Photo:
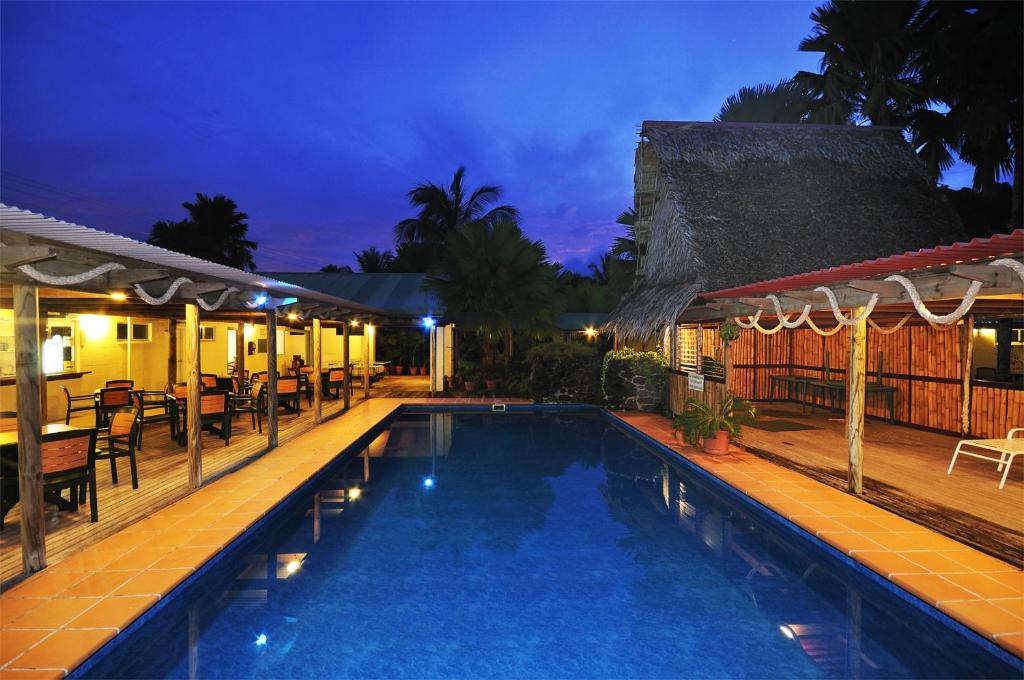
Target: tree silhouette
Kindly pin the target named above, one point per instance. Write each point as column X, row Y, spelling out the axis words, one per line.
column 215, row 230
column 371, row 260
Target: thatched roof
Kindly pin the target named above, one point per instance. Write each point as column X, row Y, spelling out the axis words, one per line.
column 725, row 204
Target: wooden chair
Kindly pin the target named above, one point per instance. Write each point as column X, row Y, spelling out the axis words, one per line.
column 75, row 403
column 110, row 400
column 69, row 463
column 215, row 413
column 259, row 376
column 253, row 403
column 130, row 384
column 209, row 381
column 288, row 395
column 335, row 382
column 119, row 442
column 154, row 407
column 8, row 421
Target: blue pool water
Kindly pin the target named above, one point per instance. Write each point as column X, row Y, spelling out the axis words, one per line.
column 550, row 545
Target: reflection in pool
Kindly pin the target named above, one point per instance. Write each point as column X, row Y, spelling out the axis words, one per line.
column 531, row 544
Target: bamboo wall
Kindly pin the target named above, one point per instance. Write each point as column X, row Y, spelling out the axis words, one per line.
column 922, row 363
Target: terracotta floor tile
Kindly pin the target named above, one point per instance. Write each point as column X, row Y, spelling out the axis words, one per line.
column 1014, row 579
column 99, row 584
column 931, row 588
column 114, row 612
column 848, row 541
column 235, row 520
column 983, row 617
column 886, row 562
column 191, row 558
column 903, row 541
column 45, row 584
column 154, row 582
column 862, row 524
column 167, row 539
column 14, row 642
column 13, row 607
column 1014, row 643
column 979, row 561
column 212, row 537
column 31, row 675
column 64, row 649
column 54, row 613
column 1014, row 605
column 816, row 523
column 935, row 562
column 89, row 560
column 137, row 559
column 982, row 586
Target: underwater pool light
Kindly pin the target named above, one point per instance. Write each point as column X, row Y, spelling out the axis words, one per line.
column 787, row 632
column 428, row 483
column 354, row 493
column 292, row 567
column 261, row 640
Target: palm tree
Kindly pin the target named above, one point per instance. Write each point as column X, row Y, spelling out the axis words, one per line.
column 371, row 260
column 625, row 247
column 866, row 70
column 336, row 269
column 215, row 230
column 495, row 280
column 783, row 102
column 443, row 209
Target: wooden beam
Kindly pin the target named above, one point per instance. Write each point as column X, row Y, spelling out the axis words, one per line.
column 883, row 288
column 240, row 348
column 271, row 378
column 15, row 256
column 194, row 398
column 992, row 277
column 347, row 389
column 366, row 360
column 192, row 290
column 856, row 378
column 120, row 278
column 966, row 359
column 318, row 394
column 28, row 379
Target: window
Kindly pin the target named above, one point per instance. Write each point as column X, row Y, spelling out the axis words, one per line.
column 141, row 332
column 686, row 348
column 206, row 333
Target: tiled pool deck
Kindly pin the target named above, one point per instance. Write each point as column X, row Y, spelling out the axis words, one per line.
column 56, row 619
column 981, row 592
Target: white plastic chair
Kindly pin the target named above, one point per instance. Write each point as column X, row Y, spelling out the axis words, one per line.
column 1006, row 448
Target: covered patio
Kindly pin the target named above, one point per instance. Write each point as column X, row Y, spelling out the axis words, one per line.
column 86, row 315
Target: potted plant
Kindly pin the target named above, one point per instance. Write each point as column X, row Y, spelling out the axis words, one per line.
column 399, row 369
column 715, row 425
column 467, row 374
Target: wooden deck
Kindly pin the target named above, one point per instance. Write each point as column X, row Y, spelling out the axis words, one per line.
column 905, row 472
column 163, row 476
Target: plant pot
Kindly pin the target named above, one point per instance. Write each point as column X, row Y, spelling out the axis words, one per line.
column 468, row 385
column 718, row 444
column 399, row 370
column 492, row 385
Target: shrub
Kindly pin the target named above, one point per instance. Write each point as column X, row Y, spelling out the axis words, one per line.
column 564, row 372
column 632, row 379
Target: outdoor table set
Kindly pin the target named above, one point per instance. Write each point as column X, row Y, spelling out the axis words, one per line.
column 832, row 393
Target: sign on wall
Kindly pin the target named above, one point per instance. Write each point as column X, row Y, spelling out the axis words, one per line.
column 695, row 381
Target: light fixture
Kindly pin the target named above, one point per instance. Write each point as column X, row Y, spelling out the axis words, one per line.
column 590, row 331
column 428, row 322
column 428, row 483
column 354, row 323
column 787, row 632
column 292, row 567
column 354, row 493
column 118, row 296
column 248, row 330
column 261, row 640
column 292, row 316
column 261, row 299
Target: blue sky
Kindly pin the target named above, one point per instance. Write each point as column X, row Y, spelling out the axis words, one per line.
column 317, row 118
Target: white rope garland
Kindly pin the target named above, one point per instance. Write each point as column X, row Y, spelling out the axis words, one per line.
column 171, row 290
column 71, row 279
column 784, row 319
column 834, row 303
column 946, row 319
column 216, row 305
column 753, row 321
column 1012, row 264
column 832, row 331
column 890, row 331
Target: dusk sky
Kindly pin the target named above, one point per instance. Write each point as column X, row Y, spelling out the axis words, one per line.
column 318, row 118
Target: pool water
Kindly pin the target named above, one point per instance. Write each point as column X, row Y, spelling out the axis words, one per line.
column 548, row 545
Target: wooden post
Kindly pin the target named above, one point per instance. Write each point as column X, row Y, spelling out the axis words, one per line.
column 366, row 360
column 855, row 404
column 28, row 377
column 318, row 395
column 240, row 350
column 966, row 359
column 347, row 389
column 194, row 398
column 44, row 416
column 172, row 352
column 271, row 378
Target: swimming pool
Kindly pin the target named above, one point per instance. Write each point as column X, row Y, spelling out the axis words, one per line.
column 532, row 543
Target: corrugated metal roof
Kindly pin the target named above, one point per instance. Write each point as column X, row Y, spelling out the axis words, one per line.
column 1000, row 245
column 397, row 293
column 56, row 232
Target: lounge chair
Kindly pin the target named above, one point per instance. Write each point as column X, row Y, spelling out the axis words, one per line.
column 1006, row 448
